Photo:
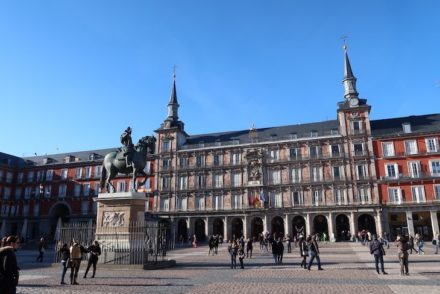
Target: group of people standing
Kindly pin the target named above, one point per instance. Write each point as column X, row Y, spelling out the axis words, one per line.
column 71, row 257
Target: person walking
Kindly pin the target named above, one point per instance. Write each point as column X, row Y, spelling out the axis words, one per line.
column 402, row 253
column 418, row 240
column 289, row 243
column 241, row 256
column 275, row 251
column 411, row 245
column 376, row 248
column 280, row 246
column 9, row 270
column 65, row 255
column 41, row 250
column 249, row 248
column 233, row 250
column 76, row 252
column 304, row 251
column 313, row 252
column 94, row 251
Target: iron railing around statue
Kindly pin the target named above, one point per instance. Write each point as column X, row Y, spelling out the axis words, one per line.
column 135, row 243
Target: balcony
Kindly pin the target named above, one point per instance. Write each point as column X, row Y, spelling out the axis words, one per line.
column 409, row 178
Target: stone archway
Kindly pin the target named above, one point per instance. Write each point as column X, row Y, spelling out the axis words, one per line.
column 277, row 226
column 218, row 227
column 367, row 222
column 320, row 225
column 236, row 228
column 257, row 227
column 298, row 226
column 342, row 228
column 182, row 231
column 199, row 230
column 59, row 211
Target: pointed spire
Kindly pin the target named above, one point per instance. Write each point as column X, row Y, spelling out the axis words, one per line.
column 349, row 78
column 173, row 96
column 173, row 105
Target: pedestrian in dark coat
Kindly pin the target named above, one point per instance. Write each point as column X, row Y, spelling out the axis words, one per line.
column 94, row 251
column 65, row 255
column 313, row 252
column 376, row 248
column 304, row 251
column 41, row 250
column 8, row 266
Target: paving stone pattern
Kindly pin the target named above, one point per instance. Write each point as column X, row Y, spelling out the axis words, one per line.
column 348, row 268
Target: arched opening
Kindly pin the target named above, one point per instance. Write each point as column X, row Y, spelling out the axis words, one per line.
column 182, row 231
column 398, row 225
column 320, row 225
column 199, row 230
column 236, row 228
column 422, row 224
column 277, row 227
column 342, row 228
column 367, row 222
column 59, row 214
column 218, row 227
column 298, row 226
column 256, row 227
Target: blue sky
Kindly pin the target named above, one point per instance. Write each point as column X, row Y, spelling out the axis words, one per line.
column 74, row 74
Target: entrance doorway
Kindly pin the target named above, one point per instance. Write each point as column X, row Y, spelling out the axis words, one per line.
column 367, row 222
column 320, row 225
column 236, row 228
column 342, row 228
column 256, row 227
column 277, row 227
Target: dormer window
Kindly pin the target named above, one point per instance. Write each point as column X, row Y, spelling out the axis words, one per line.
column 314, row 134
column 218, row 143
column 406, row 127
column 166, row 146
column 201, row 144
column 92, row 156
column 293, row 136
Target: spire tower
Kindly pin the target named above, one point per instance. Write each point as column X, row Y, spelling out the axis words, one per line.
column 349, row 80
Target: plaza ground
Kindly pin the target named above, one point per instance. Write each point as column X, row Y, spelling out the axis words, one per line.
column 348, row 268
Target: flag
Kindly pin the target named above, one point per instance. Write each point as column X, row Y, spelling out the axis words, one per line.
column 262, row 198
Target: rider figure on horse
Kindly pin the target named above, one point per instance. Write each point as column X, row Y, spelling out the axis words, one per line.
column 128, row 148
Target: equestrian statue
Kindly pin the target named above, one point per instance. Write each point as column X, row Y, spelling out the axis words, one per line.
column 126, row 160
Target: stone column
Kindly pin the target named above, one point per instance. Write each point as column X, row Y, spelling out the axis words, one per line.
column 410, row 223
column 245, row 226
column 265, row 223
column 308, row 225
column 287, row 226
column 353, row 230
column 379, row 222
column 225, row 229
column 207, row 228
column 434, row 222
column 331, row 234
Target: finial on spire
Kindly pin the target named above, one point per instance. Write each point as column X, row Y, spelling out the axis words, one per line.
column 174, row 72
column 344, row 38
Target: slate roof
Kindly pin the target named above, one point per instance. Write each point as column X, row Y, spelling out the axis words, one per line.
column 11, row 160
column 393, row 126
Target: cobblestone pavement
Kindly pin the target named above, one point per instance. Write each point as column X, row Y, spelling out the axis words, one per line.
column 348, row 268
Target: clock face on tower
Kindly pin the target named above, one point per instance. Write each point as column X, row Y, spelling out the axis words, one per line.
column 354, row 102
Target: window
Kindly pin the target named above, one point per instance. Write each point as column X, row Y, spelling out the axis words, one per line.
column 297, row 198
column 406, row 127
column 418, row 194
column 97, row 188
column 166, row 183
column 335, row 150
column 47, row 191
column 62, row 191
column 30, row 176
column 388, row 149
column 78, row 173
column 217, row 202
column 236, row 179
column 275, row 177
column 166, row 146
column 9, row 177
column 166, row 163
column 64, row 174
column 20, row 178
column 183, row 161
column 200, row 160
column 294, row 153
column 317, row 197
column 77, row 190
column 1, row 175
column 218, row 181
column 314, row 151
column 6, row 193
column 411, row 147
column 414, row 169
column 358, row 149
column 200, row 181
column 18, row 191
column 337, row 173
column 364, row 195
column 27, row 192
column 183, row 182
column 295, row 174
column 435, row 168
column 314, row 134
column 437, row 192
column 164, row 204
column 217, row 159
column 88, row 172
column 273, row 154
column 200, row 202
column 236, row 201
column 40, row 176
column 394, row 195
column 339, row 195
column 98, row 171
column 86, row 189
column 84, row 207
column 49, row 175
column 316, row 174
column 36, row 209
column 356, row 127
column 182, row 203
column 392, row 170
column 362, row 171
column 26, row 210
column 121, row 186
column 431, row 144
column 275, row 199
column 235, row 158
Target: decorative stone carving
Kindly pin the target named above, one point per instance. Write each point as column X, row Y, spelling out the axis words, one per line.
column 113, row 219
column 254, row 158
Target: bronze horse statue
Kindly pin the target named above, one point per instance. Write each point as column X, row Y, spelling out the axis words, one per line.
column 114, row 163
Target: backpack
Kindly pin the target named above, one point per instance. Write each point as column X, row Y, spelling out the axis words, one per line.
column 75, row 252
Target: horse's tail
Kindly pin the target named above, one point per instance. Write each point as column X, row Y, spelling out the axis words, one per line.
column 103, row 176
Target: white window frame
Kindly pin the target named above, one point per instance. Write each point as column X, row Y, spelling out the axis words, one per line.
column 418, row 194
column 30, row 176
column 235, row 158
column 217, row 202
column 317, row 197
column 274, row 155
column 218, row 180
column 411, row 147
column 436, row 189
column 275, row 199
column 236, row 179
column 275, row 176
column 200, row 202
column 431, row 145
column 182, row 203
column 236, row 201
column 78, row 173
column 339, row 196
column 395, row 168
column 98, row 171
column 316, row 174
column 86, row 189
column 64, row 173
column 121, row 186
column 295, row 174
column 394, row 195
column 183, row 182
column 77, row 190
column 435, row 172
column 364, row 195
column 414, row 169
column 388, row 149
column 164, row 204
column 62, row 191
column 88, row 172
column 47, row 191
column 299, row 196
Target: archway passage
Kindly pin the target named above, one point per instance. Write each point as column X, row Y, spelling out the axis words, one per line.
column 236, row 228
column 342, row 228
column 182, row 231
column 277, row 227
column 422, row 224
column 320, row 225
column 298, row 226
column 218, row 227
column 199, row 230
column 256, row 227
column 397, row 224
column 367, row 222
column 60, row 212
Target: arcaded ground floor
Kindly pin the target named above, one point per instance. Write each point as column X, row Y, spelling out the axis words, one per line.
column 348, row 268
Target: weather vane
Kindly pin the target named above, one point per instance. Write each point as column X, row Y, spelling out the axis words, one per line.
column 174, row 71
column 344, row 38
